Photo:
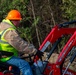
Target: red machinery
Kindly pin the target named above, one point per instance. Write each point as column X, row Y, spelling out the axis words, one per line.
column 54, row 37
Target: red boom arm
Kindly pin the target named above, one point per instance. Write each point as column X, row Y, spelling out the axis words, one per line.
column 54, row 34
column 69, row 45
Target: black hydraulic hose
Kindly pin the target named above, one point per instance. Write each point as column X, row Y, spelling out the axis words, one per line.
column 71, row 60
column 2, row 53
column 73, row 57
column 54, row 47
column 51, row 51
column 67, row 23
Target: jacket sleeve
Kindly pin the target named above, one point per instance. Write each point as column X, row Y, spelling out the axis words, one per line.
column 17, row 42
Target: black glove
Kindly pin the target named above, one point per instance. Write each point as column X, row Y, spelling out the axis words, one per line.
column 39, row 53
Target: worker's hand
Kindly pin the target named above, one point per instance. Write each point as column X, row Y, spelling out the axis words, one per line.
column 39, row 53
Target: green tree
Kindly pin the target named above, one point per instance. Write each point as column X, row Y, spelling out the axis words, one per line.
column 69, row 8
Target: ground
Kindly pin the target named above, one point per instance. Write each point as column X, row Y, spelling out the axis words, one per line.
column 54, row 57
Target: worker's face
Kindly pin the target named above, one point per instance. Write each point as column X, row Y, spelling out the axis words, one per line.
column 16, row 23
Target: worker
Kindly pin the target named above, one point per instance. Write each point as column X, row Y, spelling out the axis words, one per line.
column 11, row 41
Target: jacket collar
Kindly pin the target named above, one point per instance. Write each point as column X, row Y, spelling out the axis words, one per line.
column 9, row 22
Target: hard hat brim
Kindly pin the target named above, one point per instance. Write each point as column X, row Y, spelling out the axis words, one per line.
column 14, row 18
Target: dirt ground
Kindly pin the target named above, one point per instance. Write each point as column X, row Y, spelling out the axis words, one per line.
column 54, row 57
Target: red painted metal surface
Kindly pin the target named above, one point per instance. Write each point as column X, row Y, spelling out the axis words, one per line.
column 1, row 73
column 71, row 43
column 54, row 69
column 56, row 33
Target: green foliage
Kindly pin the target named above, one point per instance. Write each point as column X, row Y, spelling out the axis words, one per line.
column 7, row 5
column 36, row 21
column 69, row 7
column 25, row 33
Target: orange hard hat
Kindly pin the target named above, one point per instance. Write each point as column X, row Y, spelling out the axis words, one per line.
column 14, row 15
